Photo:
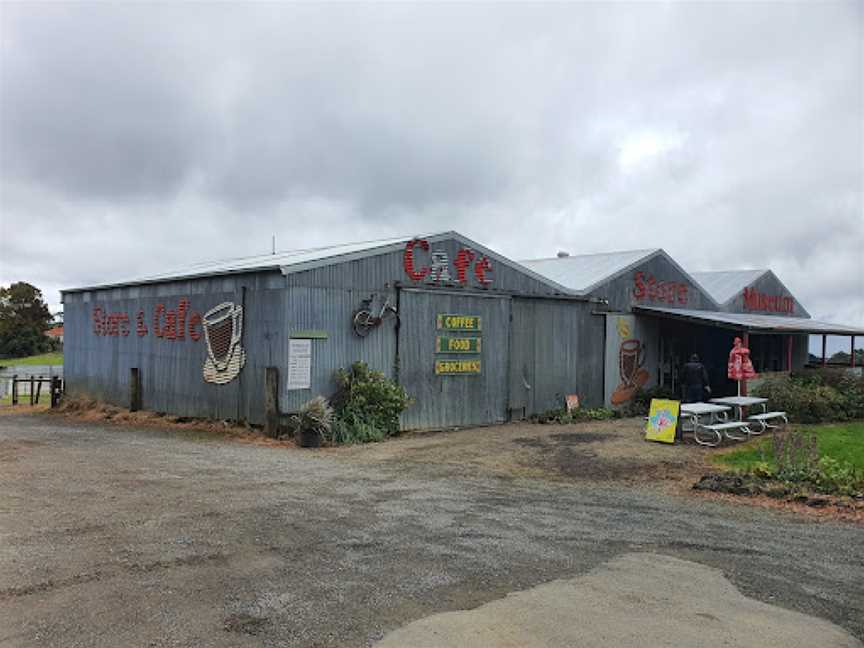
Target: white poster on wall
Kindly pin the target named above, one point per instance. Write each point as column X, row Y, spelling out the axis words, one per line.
column 299, row 364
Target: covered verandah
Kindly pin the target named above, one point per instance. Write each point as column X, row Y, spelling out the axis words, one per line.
column 777, row 344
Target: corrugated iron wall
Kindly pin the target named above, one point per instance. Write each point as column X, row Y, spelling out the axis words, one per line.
column 566, row 349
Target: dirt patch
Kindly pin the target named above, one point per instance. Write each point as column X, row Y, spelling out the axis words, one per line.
column 245, row 624
column 12, row 450
column 600, row 451
column 90, row 411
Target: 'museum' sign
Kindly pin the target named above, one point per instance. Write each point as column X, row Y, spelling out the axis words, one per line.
column 757, row 301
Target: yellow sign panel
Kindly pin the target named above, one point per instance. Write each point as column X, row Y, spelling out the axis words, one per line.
column 459, row 322
column 662, row 420
column 457, row 367
column 457, row 344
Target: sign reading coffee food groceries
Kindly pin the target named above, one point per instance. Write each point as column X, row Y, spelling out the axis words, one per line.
column 464, row 344
column 221, row 327
column 434, row 266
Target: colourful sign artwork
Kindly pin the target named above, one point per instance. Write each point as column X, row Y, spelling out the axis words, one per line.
column 631, row 357
column 457, row 367
column 662, row 420
column 757, row 301
column 451, row 322
column 438, row 270
column 457, row 344
column 648, row 288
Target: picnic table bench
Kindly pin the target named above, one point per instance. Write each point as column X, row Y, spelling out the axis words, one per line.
column 764, row 418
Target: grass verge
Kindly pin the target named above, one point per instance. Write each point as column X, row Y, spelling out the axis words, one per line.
column 840, row 441
column 55, row 358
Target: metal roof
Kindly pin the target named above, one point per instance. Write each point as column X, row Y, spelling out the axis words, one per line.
column 746, row 321
column 724, row 285
column 583, row 272
column 305, row 259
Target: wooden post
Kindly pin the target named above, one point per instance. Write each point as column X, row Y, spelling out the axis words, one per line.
column 271, row 402
column 134, row 389
column 31, row 390
column 824, row 350
column 15, row 389
column 38, row 389
column 789, row 353
column 55, row 391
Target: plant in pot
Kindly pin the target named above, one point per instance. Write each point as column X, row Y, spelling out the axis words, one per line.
column 312, row 422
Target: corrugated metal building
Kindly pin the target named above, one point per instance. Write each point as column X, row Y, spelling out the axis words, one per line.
column 478, row 338
column 515, row 342
column 658, row 315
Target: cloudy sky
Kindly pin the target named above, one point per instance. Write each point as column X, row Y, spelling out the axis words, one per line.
column 136, row 139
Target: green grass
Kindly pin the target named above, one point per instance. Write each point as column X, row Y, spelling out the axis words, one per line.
column 841, row 441
column 54, row 358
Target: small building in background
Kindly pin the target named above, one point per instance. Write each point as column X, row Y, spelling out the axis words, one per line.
column 56, row 333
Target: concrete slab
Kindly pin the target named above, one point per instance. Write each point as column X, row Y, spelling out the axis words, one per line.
column 635, row 600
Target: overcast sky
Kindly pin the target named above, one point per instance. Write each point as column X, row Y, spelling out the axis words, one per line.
column 137, row 139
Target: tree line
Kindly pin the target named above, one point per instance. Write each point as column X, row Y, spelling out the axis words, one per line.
column 24, row 318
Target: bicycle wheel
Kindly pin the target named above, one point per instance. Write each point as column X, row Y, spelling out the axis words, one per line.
column 362, row 323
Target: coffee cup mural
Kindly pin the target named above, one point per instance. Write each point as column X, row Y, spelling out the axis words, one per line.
column 631, row 373
column 223, row 330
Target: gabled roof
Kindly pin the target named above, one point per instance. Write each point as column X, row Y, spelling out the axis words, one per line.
column 584, row 272
column 725, row 285
column 292, row 261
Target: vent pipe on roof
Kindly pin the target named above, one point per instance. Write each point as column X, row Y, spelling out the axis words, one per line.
column 562, row 254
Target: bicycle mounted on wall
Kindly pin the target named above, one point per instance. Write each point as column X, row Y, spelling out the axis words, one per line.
column 365, row 319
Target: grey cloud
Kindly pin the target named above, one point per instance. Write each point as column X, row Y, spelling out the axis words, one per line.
column 135, row 137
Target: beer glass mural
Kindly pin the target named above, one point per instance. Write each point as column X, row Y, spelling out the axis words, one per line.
column 223, row 330
column 631, row 358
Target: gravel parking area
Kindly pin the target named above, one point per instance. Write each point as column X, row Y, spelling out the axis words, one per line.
column 118, row 536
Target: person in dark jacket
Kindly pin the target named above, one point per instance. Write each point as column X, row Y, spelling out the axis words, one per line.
column 695, row 380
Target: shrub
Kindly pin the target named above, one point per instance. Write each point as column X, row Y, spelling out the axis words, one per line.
column 809, row 398
column 312, row 421
column 562, row 417
column 367, row 405
column 796, row 455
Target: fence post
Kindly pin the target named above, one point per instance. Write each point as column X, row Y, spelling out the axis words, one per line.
column 271, row 402
column 134, row 389
column 31, row 390
column 15, row 389
column 55, row 391
column 38, row 389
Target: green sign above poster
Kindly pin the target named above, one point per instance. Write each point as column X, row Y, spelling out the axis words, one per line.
column 457, row 344
column 450, row 322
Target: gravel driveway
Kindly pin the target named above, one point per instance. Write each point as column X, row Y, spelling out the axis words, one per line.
column 113, row 536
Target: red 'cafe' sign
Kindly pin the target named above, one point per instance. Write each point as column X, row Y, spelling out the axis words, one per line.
column 421, row 263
